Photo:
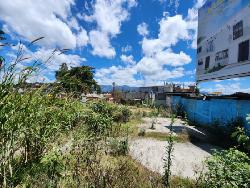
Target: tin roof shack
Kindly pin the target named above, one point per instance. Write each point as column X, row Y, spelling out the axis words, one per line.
column 211, row 110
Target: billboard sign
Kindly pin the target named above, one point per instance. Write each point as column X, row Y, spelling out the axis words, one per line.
column 223, row 40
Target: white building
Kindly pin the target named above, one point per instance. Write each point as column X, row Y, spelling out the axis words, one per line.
column 225, row 53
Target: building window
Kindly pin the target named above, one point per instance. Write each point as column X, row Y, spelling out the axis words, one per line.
column 200, row 62
column 221, row 55
column 210, row 46
column 199, row 50
column 243, row 54
column 207, row 62
column 238, row 30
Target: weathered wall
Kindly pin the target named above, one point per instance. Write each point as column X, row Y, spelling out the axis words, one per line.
column 206, row 112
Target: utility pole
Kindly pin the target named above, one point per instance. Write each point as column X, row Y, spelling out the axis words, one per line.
column 113, row 89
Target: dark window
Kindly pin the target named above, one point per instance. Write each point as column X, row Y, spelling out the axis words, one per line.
column 199, row 50
column 238, row 30
column 200, row 62
column 243, row 51
column 210, row 46
column 207, row 62
column 221, row 55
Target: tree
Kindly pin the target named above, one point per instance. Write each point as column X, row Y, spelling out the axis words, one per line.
column 117, row 95
column 77, row 79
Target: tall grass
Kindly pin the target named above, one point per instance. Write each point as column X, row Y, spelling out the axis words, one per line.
column 29, row 120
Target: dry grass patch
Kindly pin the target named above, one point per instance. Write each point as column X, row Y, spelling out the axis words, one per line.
column 183, row 137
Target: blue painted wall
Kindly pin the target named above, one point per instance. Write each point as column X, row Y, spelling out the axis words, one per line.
column 206, row 112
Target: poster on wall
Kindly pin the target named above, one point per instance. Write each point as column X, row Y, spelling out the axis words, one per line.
column 223, row 40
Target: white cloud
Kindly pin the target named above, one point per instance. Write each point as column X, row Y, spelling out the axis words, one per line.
column 167, row 57
column 227, row 88
column 147, row 71
column 158, row 53
column 192, row 21
column 126, row 48
column 132, row 3
column 128, row 59
column 41, row 18
column 108, row 16
column 73, row 23
column 171, row 3
column 101, row 44
column 48, row 61
column 82, row 38
column 42, row 76
column 142, row 29
column 159, row 63
column 172, row 30
column 57, row 59
column 54, row 21
column 131, row 75
column 119, row 75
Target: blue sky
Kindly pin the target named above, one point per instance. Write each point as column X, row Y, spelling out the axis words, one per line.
column 130, row 42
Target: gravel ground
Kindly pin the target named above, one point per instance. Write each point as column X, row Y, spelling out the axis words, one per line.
column 162, row 125
column 187, row 158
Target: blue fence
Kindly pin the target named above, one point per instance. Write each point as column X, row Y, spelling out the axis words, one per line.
column 208, row 111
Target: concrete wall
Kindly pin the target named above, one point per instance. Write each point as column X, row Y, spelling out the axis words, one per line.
column 206, row 112
column 133, row 95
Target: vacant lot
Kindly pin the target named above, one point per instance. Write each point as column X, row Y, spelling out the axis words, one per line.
column 150, row 149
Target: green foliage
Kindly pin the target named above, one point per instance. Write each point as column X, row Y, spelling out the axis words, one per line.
column 103, row 108
column 119, row 114
column 241, row 137
column 154, row 112
column 122, row 114
column 98, row 124
column 29, row 122
column 77, row 79
column 168, row 160
column 229, row 168
column 118, row 146
column 182, row 182
column 180, row 111
column 142, row 132
column 117, row 94
column 166, row 136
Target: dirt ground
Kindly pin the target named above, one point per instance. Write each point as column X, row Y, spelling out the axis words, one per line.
column 187, row 157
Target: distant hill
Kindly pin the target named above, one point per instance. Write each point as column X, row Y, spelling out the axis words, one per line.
column 109, row 88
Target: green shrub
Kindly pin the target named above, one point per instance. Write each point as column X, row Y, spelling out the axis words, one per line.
column 154, row 112
column 229, row 168
column 242, row 139
column 30, row 121
column 119, row 114
column 103, row 108
column 126, row 113
column 117, row 146
column 144, row 114
column 141, row 132
column 98, row 124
